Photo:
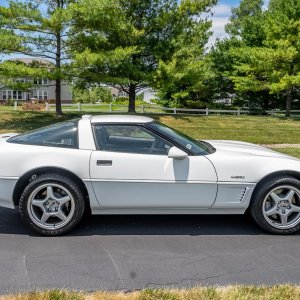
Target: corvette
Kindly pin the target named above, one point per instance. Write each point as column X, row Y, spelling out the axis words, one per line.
column 114, row 164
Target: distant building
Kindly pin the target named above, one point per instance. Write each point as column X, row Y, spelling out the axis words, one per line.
column 42, row 88
column 146, row 94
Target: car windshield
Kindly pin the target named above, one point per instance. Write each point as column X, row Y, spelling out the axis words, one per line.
column 64, row 135
column 186, row 142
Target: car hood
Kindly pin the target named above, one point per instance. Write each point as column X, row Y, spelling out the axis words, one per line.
column 245, row 148
column 245, row 162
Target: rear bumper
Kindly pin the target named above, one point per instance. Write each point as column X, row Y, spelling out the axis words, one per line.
column 7, row 186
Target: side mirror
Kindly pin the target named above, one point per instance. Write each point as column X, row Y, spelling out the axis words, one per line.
column 176, row 153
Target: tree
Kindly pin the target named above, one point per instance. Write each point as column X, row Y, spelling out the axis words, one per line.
column 222, row 62
column 124, row 42
column 92, row 95
column 275, row 65
column 36, row 29
column 185, row 82
column 246, row 28
column 246, row 22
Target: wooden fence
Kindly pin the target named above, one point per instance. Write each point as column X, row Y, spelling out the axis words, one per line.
column 148, row 109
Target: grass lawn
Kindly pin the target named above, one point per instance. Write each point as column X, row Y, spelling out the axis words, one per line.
column 259, row 130
column 253, row 129
column 280, row 292
column 289, row 151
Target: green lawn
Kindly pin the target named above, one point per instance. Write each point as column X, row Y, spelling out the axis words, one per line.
column 259, row 130
column 289, row 151
column 24, row 121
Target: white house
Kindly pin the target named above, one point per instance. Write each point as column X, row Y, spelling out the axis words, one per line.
column 42, row 88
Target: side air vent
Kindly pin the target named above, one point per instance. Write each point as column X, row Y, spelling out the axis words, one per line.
column 245, row 190
column 230, row 195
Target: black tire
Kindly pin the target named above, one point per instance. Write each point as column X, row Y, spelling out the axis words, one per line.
column 61, row 183
column 257, row 203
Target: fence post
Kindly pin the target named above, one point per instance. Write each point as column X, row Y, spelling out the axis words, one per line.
column 175, row 110
column 206, row 111
column 238, row 112
column 15, row 105
column 143, row 109
column 79, row 106
column 110, row 107
column 47, row 106
column 272, row 112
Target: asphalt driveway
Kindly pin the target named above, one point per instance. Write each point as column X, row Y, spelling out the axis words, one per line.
column 132, row 252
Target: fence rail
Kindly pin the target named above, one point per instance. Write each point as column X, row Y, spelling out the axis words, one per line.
column 109, row 107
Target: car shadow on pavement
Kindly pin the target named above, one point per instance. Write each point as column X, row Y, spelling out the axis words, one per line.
column 192, row 225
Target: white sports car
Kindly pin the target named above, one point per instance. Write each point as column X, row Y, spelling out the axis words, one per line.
column 134, row 165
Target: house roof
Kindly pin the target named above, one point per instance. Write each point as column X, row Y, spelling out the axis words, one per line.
column 28, row 60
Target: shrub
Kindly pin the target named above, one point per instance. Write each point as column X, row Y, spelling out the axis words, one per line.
column 33, row 106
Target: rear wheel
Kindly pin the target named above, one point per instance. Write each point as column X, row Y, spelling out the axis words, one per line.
column 52, row 204
column 276, row 205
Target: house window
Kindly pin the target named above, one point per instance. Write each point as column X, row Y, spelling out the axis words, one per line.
column 21, row 80
column 40, row 81
column 122, row 94
column 37, row 81
column 14, row 95
column 40, row 95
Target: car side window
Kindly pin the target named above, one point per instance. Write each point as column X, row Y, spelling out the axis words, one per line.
column 63, row 135
column 129, row 139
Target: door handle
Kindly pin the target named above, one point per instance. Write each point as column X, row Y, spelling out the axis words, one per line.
column 104, row 163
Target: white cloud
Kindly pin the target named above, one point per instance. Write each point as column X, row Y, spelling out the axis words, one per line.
column 266, row 3
column 219, row 17
column 221, row 10
column 218, row 28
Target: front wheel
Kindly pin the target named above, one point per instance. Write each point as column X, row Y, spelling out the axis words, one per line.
column 276, row 205
column 52, row 204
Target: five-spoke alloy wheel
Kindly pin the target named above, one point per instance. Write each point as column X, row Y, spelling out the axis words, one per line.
column 276, row 205
column 52, row 204
column 281, row 207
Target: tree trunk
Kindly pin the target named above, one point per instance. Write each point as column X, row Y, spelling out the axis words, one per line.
column 58, row 97
column 289, row 99
column 58, row 74
column 132, row 96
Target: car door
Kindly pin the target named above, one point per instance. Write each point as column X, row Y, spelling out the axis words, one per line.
column 131, row 169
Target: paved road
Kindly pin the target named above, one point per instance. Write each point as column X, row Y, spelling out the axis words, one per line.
column 132, row 252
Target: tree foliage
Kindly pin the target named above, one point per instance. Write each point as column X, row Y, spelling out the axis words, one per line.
column 36, row 29
column 246, row 22
column 267, row 60
column 148, row 35
column 158, row 43
column 92, row 95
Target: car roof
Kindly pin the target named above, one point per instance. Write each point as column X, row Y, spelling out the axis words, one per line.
column 119, row 119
